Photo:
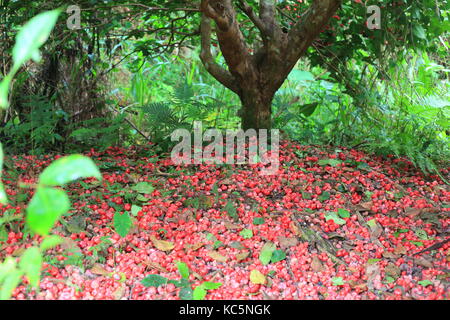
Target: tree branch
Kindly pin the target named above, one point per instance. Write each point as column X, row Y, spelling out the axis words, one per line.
column 221, row 75
column 305, row 31
column 253, row 17
column 267, row 11
column 231, row 40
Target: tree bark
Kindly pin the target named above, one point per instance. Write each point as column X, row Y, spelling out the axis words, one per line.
column 256, row 77
column 256, row 110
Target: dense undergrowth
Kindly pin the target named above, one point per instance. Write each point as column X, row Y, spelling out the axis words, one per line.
column 403, row 116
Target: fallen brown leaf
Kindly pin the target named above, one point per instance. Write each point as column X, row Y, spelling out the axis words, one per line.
column 119, row 293
column 400, row 249
column 295, row 229
column 154, row 265
column 423, row 262
column 392, row 270
column 316, row 265
column 232, row 226
column 194, row 246
column 98, row 269
column 372, row 273
column 162, row 245
column 217, row 256
column 242, row 255
column 287, row 242
column 389, row 255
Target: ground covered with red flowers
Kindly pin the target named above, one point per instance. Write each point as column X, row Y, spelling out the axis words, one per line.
column 332, row 224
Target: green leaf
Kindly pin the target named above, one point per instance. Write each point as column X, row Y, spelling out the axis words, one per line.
column 31, row 264
column 343, row 213
column 3, row 198
column 299, row 75
column 141, row 198
column 421, row 234
column 10, row 282
column 363, row 165
column 324, row 196
column 122, row 223
column 278, row 255
column 308, row 109
column 333, row 216
column 397, row 233
column 266, row 252
column 330, row 162
column 183, row 283
column 372, row 261
column 199, row 293
column 217, row 244
column 153, row 280
column 68, row 169
column 246, row 233
column 45, row 208
column 337, row 281
column 419, row 31
column 1, row 158
column 306, row 195
column 183, row 269
column 4, row 90
column 425, row 283
column 258, row 221
column 372, row 223
column 231, row 211
column 50, row 242
column 186, row 294
column 143, row 187
column 135, row 210
column 32, row 36
column 208, row 285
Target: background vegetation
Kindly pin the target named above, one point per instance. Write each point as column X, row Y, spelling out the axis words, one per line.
column 132, row 74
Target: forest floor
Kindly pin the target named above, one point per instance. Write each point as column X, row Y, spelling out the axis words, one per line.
column 332, row 224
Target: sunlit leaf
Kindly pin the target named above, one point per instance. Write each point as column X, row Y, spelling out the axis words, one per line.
column 32, row 36
column 122, row 223
column 183, row 269
column 68, row 169
column 44, row 209
column 31, row 264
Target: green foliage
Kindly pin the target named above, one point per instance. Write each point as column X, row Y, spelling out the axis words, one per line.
column 100, row 133
column 186, row 291
column 28, row 41
column 246, row 233
column 154, row 280
column 122, row 223
column 143, row 187
column 45, row 208
column 48, row 203
column 36, row 130
column 3, row 198
column 278, row 255
column 183, row 270
column 68, row 169
column 265, row 256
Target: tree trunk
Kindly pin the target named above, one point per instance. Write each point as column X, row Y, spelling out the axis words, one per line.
column 256, row 77
column 256, row 110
